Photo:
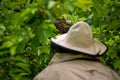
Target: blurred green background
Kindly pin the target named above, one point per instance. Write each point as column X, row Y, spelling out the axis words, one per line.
column 27, row 25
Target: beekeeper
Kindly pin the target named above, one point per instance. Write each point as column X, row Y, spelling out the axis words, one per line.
column 76, row 57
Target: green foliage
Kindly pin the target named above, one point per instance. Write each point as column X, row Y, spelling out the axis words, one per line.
column 27, row 25
column 25, row 30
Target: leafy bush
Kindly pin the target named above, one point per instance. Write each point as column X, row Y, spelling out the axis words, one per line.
column 27, row 25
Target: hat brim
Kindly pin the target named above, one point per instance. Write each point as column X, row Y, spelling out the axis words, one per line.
column 97, row 48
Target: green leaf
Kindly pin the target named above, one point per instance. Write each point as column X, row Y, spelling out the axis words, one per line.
column 13, row 50
column 2, row 60
column 44, row 49
column 23, row 74
column 84, row 4
column 20, row 46
column 49, row 15
column 117, row 64
column 24, row 66
column 30, row 32
column 35, row 42
column 2, row 29
column 69, row 5
column 51, row 4
column 41, row 33
column 83, row 19
column 18, row 20
column 7, row 44
column 110, row 42
column 11, row 40
column 21, row 59
column 99, row 8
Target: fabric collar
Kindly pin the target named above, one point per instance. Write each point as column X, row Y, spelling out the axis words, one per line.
column 61, row 57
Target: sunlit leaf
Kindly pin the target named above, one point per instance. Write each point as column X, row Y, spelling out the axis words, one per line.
column 2, row 29
column 51, row 4
column 84, row 4
column 7, row 44
column 13, row 50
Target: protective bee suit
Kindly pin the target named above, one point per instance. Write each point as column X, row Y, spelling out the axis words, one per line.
column 75, row 66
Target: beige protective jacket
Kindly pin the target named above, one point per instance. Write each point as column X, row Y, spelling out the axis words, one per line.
column 69, row 67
